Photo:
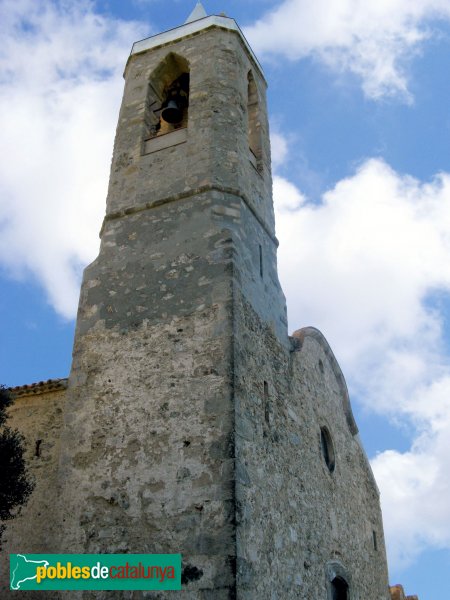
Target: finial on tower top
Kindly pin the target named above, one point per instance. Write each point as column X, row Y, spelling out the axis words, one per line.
column 198, row 13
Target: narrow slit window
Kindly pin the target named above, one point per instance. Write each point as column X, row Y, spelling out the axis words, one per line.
column 327, row 448
column 375, row 542
column 261, row 265
column 37, row 448
column 266, row 403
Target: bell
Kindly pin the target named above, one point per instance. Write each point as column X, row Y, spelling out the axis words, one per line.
column 171, row 113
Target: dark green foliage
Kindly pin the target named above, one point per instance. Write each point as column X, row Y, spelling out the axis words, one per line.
column 15, row 486
column 5, row 401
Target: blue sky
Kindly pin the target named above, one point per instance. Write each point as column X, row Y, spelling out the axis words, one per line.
column 359, row 98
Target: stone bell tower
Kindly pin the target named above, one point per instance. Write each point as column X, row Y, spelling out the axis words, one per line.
column 149, row 445
column 193, row 422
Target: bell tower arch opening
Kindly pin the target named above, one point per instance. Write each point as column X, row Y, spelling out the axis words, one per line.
column 167, row 97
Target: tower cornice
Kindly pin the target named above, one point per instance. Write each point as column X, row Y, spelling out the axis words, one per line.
column 193, row 28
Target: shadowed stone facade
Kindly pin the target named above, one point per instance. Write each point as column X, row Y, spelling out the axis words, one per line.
column 192, row 422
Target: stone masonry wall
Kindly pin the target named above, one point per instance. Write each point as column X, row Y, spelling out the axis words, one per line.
column 147, row 462
column 296, row 519
column 149, row 423
column 38, row 417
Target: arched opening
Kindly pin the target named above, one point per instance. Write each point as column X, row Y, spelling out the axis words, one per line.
column 167, row 101
column 254, row 122
column 338, row 581
column 339, row 589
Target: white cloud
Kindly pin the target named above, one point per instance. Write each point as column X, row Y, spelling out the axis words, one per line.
column 288, row 196
column 415, row 489
column 372, row 39
column 361, row 266
column 60, row 89
column 279, row 148
column 385, row 236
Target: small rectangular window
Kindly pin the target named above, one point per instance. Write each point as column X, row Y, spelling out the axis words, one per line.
column 375, row 543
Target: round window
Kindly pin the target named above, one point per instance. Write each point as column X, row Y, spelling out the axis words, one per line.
column 327, row 448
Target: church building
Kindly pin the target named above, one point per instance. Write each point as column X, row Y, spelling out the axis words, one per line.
column 192, row 422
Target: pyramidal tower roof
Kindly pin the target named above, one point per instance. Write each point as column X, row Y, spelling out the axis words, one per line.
column 197, row 21
column 198, row 13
